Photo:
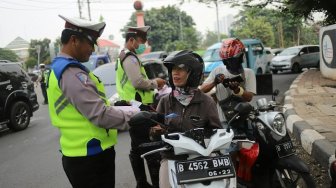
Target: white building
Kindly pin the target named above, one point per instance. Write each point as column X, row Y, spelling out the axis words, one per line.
column 20, row 47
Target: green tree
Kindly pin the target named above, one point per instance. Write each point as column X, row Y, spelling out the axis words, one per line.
column 255, row 28
column 299, row 8
column 171, row 29
column 309, row 34
column 31, row 62
column 44, row 52
column 287, row 29
column 6, row 54
column 211, row 38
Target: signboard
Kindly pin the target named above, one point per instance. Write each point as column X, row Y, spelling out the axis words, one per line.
column 328, row 51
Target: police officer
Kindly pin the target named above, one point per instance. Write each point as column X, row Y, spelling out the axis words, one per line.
column 133, row 84
column 42, row 78
column 79, row 109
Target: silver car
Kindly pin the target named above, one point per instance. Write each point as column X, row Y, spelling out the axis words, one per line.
column 295, row 58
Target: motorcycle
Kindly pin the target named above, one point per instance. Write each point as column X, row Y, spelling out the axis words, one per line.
column 276, row 164
column 332, row 173
column 208, row 163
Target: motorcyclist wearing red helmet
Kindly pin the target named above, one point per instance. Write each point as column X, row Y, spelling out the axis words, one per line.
column 232, row 53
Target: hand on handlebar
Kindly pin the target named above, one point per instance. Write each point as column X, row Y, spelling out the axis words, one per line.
column 156, row 131
column 234, row 86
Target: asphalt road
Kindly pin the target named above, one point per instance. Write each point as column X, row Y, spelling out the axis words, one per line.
column 31, row 158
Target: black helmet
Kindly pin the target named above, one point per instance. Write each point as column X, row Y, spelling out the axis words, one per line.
column 192, row 61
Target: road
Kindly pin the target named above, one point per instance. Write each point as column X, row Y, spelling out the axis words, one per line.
column 31, row 158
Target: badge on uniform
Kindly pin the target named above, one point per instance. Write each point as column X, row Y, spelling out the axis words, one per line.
column 134, row 60
column 82, row 78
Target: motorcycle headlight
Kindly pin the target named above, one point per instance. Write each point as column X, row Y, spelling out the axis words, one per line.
column 279, row 125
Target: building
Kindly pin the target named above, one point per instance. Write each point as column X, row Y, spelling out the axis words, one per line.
column 20, row 47
column 107, row 46
column 225, row 24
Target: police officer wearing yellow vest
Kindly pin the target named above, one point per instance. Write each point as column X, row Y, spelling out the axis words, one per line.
column 133, row 84
column 43, row 79
column 79, row 109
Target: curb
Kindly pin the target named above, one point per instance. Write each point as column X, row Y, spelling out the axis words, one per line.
column 317, row 146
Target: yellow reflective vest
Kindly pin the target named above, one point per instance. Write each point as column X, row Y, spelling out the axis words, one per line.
column 79, row 137
column 126, row 90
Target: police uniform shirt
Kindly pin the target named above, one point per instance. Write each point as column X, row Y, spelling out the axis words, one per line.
column 132, row 69
column 81, row 92
column 222, row 92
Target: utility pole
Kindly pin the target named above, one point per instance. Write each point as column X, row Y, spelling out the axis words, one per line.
column 88, row 2
column 79, row 8
column 181, row 31
column 38, row 51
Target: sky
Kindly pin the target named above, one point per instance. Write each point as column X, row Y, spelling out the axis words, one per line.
column 38, row 19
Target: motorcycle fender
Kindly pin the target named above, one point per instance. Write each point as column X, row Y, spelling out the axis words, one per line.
column 294, row 163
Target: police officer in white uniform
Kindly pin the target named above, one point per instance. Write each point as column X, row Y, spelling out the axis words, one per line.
column 79, row 109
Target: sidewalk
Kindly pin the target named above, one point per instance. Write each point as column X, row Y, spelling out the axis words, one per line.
column 311, row 114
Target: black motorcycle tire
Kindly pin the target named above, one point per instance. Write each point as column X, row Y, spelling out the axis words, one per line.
column 289, row 182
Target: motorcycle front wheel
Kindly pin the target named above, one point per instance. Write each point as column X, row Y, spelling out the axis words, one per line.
column 288, row 178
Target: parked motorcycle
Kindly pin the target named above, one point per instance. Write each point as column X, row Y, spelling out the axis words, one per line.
column 276, row 164
column 332, row 171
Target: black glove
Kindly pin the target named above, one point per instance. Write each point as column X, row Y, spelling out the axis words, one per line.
column 218, row 78
column 122, row 103
column 233, row 86
column 144, row 107
column 158, row 117
column 144, row 119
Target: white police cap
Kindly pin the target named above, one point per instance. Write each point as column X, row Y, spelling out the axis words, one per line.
column 91, row 29
column 143, row 29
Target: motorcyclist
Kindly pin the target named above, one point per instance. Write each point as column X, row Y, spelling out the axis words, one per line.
column 186, row 105
column 232, row 53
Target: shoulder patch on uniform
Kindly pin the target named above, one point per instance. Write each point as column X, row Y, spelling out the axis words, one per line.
column 134, row 60
column 82, row 77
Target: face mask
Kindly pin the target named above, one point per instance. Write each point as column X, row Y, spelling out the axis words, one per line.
column 141, row 49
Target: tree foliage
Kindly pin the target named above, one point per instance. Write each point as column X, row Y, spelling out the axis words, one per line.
column 287, row 29
column 256, row 28
column 44, row 53
column 300, row 8
column 167, row 31
column 211, row 38
column 6, row 54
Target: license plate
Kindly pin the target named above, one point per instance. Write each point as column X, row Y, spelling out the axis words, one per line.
column 204, row 169
column 285, row 149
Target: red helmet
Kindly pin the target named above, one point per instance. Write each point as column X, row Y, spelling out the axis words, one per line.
column 231, row 48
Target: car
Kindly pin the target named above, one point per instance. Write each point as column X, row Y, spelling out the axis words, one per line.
column 154, row 55
column 296, row 58
column 33, row 76
column 276, row 51
column 18, row 99
column 257, row 56
column 96, row 61
column 154, row 68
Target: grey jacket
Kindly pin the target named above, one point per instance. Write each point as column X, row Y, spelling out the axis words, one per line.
column 201, row 107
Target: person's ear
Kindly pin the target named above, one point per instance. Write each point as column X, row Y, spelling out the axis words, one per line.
column 74, row 40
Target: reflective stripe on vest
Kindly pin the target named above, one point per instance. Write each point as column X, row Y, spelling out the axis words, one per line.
column 79, row 137
column 126, row 90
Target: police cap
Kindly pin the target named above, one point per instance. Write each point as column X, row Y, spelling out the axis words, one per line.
column 91, row 30
column 138, row 31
